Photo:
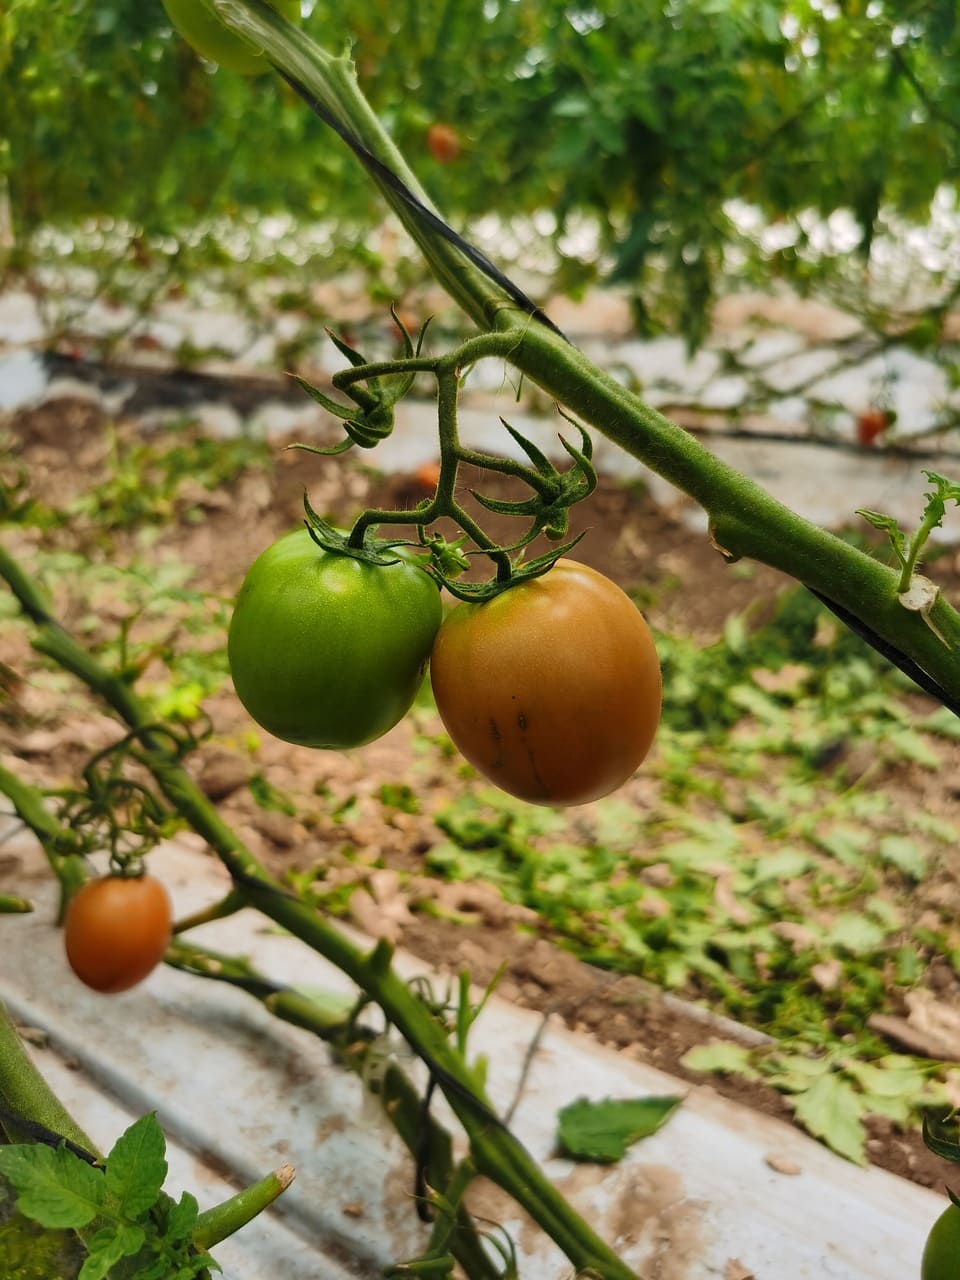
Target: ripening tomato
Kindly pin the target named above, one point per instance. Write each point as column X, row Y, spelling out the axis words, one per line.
column 443, row 143
column 870, row 424
column 427, row 476
column 326, row 650
column 201, row 29
column 551, row 689
column 941, row 1254
column 116, row 930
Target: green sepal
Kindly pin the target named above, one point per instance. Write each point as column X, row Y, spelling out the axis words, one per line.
column 374, row 550
column 325, row 401
column 941, row 1133
column 533, row 452
column 478, row 592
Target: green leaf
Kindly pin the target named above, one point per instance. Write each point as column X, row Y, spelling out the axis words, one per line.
column 902, row 853
column 54, row 1187
column 912, row 747
column 602, row 1131
column 832, row 1109
column 181, row 1217
column 856, row 934
column 106, row 1249
column 944, row 722
column 846, row 844
column 723, row 1057
column 136, row 1167
column 888, row 525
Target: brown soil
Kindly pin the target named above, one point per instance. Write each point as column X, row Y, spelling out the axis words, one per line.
column 47, row 731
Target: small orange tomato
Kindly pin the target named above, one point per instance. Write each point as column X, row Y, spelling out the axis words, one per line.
column 551, row 689
column 427, row 476
column 870, row 424
column 116, row 931
column 443, row 143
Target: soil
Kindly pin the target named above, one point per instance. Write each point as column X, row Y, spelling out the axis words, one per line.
column 47, row 729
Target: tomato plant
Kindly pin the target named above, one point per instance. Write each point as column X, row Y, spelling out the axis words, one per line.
column 941, row 1254
column 116, row 930
column 443, row 143
column 209, row 37
column 327, row 650
column 552, row 688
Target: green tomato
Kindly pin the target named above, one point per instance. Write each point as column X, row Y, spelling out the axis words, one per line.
column 326, row 650
column 941, row 1254
column 201, row 28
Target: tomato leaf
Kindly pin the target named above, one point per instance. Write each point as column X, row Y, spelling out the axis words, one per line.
column 902, row 853
column 723, row 1057
column 831, row 1109
column 53, row 1186
column 602, row 1131
column 181, row 1217
column 136, row 1167
column 107, row 1247
column 889, row 526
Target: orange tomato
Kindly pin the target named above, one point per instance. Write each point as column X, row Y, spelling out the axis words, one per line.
column 551, row 689
column 116, row 931
column 870, row 424
column 443, row 143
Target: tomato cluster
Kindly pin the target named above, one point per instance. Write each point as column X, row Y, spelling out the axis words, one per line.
column 551, row 689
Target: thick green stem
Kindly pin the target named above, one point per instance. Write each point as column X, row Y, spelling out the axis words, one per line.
column 224, row 1219
column 56, row 840
column 25, row 1093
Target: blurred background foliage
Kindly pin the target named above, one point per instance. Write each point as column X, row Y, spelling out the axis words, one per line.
column 662, row 144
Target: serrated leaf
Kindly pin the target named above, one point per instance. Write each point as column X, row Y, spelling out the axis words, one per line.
column 54, row 1187
column 889, row 526
column 107, row 1247
column 846, row 844
column 902, row 853
column 886, row 1082
column 182, row 1217
column 856, row 934
column 137, row 1168
column 831, row 1109
column 601, row 1131
column 723, row 1057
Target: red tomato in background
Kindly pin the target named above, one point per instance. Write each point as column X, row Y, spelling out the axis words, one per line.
column 870, row 424
column 443, row 143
